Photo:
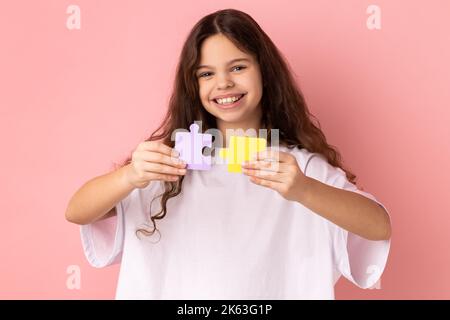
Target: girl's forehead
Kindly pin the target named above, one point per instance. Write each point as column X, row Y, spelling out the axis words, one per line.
column 220, row 46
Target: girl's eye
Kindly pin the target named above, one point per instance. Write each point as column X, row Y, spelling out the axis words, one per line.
column 205, row 74
column 242, row 67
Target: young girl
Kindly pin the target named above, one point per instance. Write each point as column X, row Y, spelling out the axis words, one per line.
column 289, row 234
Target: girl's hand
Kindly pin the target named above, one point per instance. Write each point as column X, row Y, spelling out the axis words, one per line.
column 279, row 171
column 153, row 160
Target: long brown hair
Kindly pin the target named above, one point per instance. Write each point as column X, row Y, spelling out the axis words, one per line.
column 283, row 104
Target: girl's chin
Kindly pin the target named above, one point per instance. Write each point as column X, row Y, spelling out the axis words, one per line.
column 229, row 118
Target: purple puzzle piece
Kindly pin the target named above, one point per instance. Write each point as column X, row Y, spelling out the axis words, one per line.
column 190, row 146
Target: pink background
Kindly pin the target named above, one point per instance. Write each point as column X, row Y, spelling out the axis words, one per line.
column 75, row 101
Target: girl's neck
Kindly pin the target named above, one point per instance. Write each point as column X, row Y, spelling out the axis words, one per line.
column 246, row 129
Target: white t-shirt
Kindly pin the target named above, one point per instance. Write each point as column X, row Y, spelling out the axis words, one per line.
column 224, row 237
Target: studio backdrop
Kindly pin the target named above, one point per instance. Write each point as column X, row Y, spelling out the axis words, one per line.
column 83, row 82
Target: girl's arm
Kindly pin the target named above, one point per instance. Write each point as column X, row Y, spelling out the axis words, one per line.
column 349, row 210
column 98, row 197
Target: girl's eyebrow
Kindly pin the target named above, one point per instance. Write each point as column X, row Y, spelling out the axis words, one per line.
column 228, row 63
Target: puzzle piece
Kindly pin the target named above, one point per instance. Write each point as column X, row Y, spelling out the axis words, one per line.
column 240, row 149
column 190, row 146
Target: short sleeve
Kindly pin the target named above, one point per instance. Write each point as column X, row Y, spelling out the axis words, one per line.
column 103, row 240
column 360, row 260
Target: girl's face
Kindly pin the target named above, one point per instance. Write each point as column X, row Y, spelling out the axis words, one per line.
column 220, row 74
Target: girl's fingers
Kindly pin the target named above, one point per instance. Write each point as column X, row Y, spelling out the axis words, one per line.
column 162, row 168
column 267, row 183
column 163, row 177
column 274, row 155
column 159, row 147
column 266, row 165
column 154, row 157
column 264, row 174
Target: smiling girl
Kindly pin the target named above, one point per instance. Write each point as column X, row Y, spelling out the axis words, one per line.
column 284, row 230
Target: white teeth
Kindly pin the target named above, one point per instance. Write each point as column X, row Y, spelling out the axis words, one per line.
column 228, row 100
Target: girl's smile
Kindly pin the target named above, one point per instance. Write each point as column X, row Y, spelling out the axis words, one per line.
column 230, row 103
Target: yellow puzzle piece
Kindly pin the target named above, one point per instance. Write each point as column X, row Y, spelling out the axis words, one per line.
column 240, row 149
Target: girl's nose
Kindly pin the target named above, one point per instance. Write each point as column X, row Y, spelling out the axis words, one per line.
column 224, row 82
